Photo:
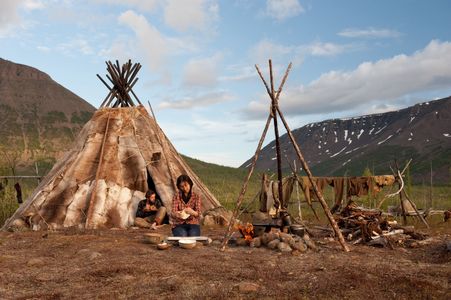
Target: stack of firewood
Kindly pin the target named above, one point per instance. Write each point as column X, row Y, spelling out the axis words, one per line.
column 369, row 226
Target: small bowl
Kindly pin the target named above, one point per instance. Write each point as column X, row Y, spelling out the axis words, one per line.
column 153, row 238
column 187, row 244
column 163, row 246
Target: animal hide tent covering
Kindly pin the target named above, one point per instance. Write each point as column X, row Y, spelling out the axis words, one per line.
column 119, row 154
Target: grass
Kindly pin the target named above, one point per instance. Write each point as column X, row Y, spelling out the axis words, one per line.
column 8, row 202
column 226, row 183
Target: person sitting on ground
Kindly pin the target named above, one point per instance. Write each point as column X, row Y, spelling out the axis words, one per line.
column 151, row 211
column 186, row 209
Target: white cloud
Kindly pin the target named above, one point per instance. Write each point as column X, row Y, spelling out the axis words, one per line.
column 202, row 72
column 190, row 14
column 266, row 49
column 199, row 101
column 326, row 49
column 76, row 45
column 369, row 33
column 9, row 17
column 369, row 85
column 144, row 5
column 283, row 9
column 153, row 45
column 120, row 50
column 239, row 72
column 33, row 4
column 43, row 48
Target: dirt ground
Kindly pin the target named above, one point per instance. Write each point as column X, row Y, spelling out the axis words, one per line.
column 117, row 264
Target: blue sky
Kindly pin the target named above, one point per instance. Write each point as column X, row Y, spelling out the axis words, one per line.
column 349, row 58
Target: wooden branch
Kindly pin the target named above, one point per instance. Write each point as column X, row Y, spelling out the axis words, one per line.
column 239, row 201
column 276, row 134
column 285, row 76
column 405, row 168
column 103, row 81
column 264, row 81
column 326, row 209
column 400, row 188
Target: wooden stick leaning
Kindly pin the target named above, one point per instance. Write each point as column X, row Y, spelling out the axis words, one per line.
column 160, row 140
column 403, row 191
column 239, row 200
column 254, row 161
column 323, row 202
column 276, row 134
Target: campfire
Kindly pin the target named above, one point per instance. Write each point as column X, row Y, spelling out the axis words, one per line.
column 247, row 231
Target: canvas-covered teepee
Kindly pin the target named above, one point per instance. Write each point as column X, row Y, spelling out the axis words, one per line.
column 119, row 154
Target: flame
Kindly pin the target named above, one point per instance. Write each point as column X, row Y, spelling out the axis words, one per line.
column 247, row 230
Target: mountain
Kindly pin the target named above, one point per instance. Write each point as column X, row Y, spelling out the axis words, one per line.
column 39, row 118
column 341, row 147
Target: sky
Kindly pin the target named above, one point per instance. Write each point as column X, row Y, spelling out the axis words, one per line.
column 349, row 58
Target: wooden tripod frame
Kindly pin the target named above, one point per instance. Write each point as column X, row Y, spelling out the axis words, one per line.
column 274, row 112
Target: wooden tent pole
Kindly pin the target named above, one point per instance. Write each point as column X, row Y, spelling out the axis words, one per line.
column 239, row 201
column 99, row 167
column 415, row 208
column 297, row 191
column 313, row 183
column 280, row 203
column 160, row 140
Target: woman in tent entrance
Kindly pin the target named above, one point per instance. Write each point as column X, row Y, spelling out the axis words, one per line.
column 185, row 214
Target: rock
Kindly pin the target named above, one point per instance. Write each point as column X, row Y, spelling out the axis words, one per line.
column 216, row 243
column 273, row 244
column 272, row 236
column 264, row 239
column 309, row 242
column 83, row 252
column 217, row 216
column 94, row 255
column 36, row 262
column 241, row 242
column 256, row 242
column 18, row 225
column 284, row 247
column 299, row 246
column 209, row 221
column 128, row 277
column 44, row 277
column 286, row 238
column 248, row 287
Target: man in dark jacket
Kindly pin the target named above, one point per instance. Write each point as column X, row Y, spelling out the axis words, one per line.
column 151, row 211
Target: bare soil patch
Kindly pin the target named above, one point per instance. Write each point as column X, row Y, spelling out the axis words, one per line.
column 117, row 264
